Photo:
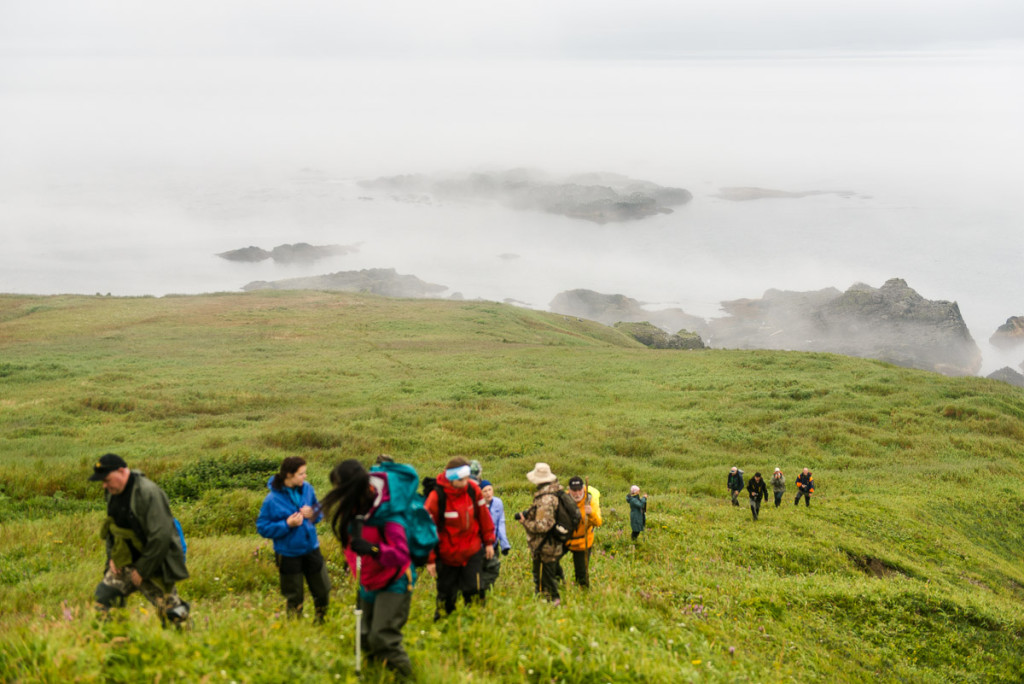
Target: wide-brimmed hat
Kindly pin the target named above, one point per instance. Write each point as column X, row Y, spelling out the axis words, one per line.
column 541, row 474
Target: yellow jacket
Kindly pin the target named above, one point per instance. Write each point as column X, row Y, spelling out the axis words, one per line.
column 583, row 538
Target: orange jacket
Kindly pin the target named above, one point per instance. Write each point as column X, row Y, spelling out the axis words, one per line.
column 583, row 537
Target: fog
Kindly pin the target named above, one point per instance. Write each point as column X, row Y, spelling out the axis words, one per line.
column 126, row 165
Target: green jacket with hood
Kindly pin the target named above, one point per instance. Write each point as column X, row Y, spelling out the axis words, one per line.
column 162, row 556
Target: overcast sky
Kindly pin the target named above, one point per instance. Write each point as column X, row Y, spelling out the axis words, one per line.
column 500, row 28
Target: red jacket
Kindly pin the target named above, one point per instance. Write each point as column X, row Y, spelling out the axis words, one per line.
column 464, row 526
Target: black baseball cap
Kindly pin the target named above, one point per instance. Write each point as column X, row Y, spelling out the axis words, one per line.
column 576, row 482
column 106, row 465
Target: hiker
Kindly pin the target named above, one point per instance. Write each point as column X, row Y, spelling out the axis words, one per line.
column 758, row 490
column 804, row 487
column 538, row 521
column 735, row 484
column 377, row 553
column 581, row 543
column 476, row 471
column 637, row 501
column 466, row 534
column 145, row 549
column 289, row 516
column 778, row 486
column 492, row 566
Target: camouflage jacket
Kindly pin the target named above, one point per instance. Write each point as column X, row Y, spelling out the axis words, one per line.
column 539, row 519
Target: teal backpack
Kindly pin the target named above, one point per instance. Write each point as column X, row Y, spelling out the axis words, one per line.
column 406, row 508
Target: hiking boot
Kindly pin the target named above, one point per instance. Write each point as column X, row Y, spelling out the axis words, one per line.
column 178, row 615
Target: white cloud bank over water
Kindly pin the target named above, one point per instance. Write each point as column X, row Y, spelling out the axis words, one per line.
column 139, row 139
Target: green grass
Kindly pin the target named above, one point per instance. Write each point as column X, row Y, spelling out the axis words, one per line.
column 907, row 567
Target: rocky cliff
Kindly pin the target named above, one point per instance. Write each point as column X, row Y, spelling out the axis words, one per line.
column 892, row 323
column 1009, row 334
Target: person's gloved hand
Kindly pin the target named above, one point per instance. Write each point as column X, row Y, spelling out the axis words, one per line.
column 504, row 552
column 364, row 548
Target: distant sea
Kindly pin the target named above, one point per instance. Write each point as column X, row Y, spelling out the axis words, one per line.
column 127, row 176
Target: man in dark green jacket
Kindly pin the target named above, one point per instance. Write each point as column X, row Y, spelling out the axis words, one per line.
column 144, row 551
column 758, row 490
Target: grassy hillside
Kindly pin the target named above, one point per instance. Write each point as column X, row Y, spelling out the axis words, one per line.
column 907, row 566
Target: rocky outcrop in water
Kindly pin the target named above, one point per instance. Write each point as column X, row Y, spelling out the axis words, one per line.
column 1009, row 334
column 892, row 323
column 613, row 308
column 380, row 281
column 597, row 197
column 654, row 337
column 300, row 252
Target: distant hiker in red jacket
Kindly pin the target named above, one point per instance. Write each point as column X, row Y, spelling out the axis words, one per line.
column 466, row 534
column 804, row 487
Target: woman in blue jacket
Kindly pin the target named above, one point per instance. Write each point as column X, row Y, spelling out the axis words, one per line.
column 289, row 516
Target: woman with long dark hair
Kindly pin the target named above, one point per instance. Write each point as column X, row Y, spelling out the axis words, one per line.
column 377, row 553
column 289, row 516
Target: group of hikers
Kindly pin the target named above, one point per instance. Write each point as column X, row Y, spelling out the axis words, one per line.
column 757, row 489
column 459, row 537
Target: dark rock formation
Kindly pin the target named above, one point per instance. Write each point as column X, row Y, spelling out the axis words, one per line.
column 892, row 323
column 610, row 309
column 654, row 337
column 381, row 281
column 1010, row 334
column 248, row 254
column 300, row 252
column 1008, row 375
column 598, row 197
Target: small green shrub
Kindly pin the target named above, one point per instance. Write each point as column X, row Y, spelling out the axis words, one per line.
column 234, row 472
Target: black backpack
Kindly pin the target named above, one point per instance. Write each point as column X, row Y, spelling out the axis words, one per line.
column 567, row 518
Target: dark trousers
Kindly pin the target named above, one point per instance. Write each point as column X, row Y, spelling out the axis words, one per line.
column 381, row 629
column 455, row 579
column 545, row 578
column 778, row 498
column 755, row 506
column 806, row 495
column 490, row 570
column 581, row 565
column 311, row 568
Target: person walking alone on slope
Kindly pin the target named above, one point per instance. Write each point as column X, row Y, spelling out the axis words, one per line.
column 758, row 490
column 804, row 487
column 778, row 486
column 637, row 501
column 581, row 543
column 466, row 534
column 289, row 516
